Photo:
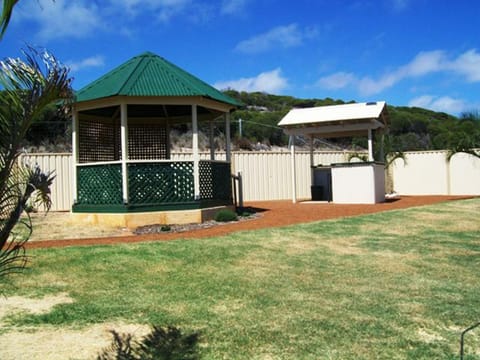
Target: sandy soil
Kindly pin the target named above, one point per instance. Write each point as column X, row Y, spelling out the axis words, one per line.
column 272, row 214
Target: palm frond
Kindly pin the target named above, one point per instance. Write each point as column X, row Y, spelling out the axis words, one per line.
column 7, row 10
column 29, row 86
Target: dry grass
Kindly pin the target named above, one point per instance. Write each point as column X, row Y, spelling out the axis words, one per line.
column 394, row 285
column 59, row 226
column 49, row 342
column 53, row 343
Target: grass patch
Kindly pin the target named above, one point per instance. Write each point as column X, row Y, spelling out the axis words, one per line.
column 396, row 285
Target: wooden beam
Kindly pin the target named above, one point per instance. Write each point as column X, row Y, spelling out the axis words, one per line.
column 334, row 130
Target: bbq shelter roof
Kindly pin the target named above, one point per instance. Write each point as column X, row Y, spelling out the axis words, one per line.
column 336, row 120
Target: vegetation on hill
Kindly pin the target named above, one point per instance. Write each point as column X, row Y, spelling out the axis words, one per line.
column 410, row 128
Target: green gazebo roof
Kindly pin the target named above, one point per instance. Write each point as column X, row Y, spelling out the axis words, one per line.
column 150, row 75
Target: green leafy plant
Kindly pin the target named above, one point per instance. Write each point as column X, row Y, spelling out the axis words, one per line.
column 226, row 215
column 29, row 86
column 160, row 344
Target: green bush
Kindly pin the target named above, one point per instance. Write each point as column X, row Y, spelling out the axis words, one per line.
column 225, row 215
column 246, row 214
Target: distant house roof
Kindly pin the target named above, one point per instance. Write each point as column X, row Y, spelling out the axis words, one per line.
column 150, row 75
column 335, row 120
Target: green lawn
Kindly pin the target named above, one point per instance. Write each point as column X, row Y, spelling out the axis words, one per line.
column 395, row 285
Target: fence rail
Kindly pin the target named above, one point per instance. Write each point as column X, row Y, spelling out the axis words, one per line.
column 267, row 175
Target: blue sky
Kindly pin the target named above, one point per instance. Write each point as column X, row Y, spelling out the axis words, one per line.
column 407, row 52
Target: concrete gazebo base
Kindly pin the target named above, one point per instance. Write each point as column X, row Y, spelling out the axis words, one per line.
column 134, row 220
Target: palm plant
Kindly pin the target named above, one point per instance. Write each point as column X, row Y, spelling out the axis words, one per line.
column 467, row 137
column 7, row 10
column 28, row 87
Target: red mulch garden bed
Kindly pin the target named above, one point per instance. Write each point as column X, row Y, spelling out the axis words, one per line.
column 272, row 214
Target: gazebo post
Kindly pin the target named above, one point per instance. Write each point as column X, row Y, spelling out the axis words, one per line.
column 291, row 143
column 196, row 156
column 74, row 153
column 212, row 140
column 124, row 143
column 228, row 154
column 370, row 145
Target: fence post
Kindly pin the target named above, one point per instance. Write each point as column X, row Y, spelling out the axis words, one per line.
column 240, row 189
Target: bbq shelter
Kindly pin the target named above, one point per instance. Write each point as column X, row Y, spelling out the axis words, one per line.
column 123, row 171
column 349, row 183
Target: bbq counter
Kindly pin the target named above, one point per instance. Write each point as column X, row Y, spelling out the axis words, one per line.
column 349, row 183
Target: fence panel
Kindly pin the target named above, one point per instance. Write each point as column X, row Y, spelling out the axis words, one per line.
column 61, row 164
column 464, row 174
column 421, row 173
column 430, row 173
column 268, row 175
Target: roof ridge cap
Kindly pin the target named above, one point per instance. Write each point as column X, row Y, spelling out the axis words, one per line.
column 128, row 82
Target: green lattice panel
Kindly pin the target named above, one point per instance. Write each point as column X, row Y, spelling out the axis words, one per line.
column 157, row 183
column 99, row 184
column 215, row 181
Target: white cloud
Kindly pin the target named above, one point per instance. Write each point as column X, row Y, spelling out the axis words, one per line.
column 232, row 7
column 468, row 64
column 135, row 7
column 279, row 37
column 336, row 81
column 423, row 64
column 445, row 104
column 82, row 18
column 400, row 5
column 270, row 82
column 162, row 11
column 62, row 19
column 92, row 61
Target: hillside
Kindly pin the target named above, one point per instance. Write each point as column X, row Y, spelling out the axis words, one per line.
column 409, row 128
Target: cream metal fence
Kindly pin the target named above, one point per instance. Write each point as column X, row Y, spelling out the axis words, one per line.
column 267, row 175
column 430, row 173
column 61, row 164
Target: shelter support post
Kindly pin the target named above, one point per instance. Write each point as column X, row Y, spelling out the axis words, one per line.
column 74, row 154
column 196, row 155
column 291, row 143
column 382, row 148
column 370, row 145
column 228, row 150
column 124, row 142
column 311, row 159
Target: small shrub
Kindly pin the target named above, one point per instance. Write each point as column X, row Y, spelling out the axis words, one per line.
column 225, row 215
column 246, row 214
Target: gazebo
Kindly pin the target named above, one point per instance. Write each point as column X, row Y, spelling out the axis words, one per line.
column 124, row 174
column 348, row 183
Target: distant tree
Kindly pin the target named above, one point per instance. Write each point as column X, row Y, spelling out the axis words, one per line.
column 51, row 131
